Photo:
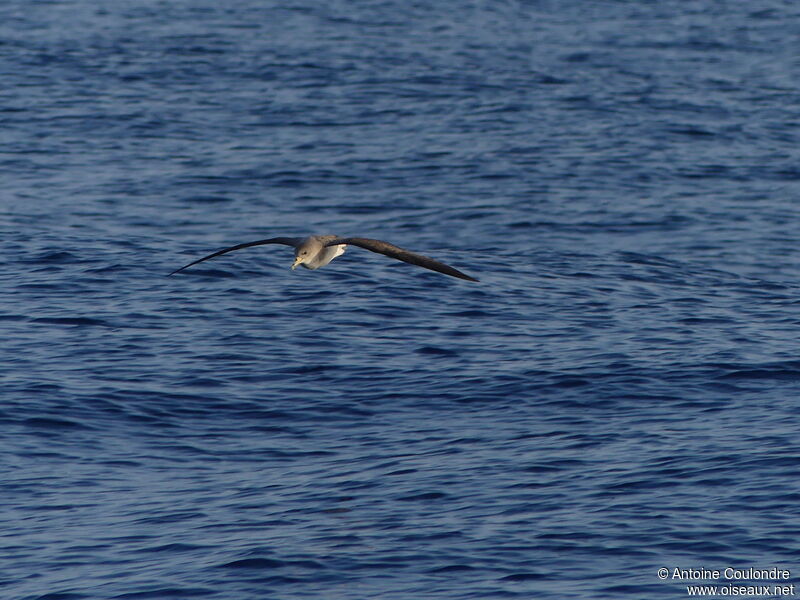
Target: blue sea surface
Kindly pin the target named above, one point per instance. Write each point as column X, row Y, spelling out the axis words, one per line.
column 619, row 393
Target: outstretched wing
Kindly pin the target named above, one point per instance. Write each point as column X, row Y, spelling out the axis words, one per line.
column 393, row 251
column 278, row 240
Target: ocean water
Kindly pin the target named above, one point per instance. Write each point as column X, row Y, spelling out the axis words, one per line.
column 618, row 394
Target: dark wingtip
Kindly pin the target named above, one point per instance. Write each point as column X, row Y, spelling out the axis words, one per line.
column 185, row 267
column 456, row 273
column 178, row 270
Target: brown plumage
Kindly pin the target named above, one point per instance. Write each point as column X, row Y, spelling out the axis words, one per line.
column 318, row 250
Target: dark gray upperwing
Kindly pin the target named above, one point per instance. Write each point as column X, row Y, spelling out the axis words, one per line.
column 393, row 251
column 278, row 240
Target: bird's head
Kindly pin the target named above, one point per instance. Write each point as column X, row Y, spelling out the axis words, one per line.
column 304, row 253
column 299, row 259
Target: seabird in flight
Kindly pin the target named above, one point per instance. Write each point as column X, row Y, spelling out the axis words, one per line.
column 318, row 250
